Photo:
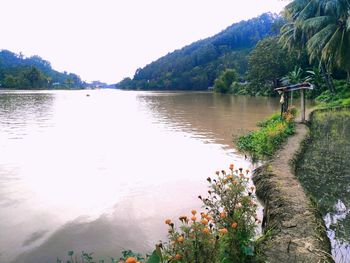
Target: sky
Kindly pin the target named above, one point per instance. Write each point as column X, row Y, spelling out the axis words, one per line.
column 107, row 40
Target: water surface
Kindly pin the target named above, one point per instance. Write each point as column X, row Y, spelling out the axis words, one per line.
column 101, row 170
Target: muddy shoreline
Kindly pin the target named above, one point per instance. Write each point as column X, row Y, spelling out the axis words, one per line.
column 293, row 228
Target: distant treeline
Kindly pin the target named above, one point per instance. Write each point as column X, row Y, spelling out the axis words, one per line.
column 196, row 66
column 18, row 72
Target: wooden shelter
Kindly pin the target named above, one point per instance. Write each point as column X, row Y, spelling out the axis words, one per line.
column 285, row 91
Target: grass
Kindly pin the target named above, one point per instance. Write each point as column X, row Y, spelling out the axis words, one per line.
column 341, row 96
column 273, row 132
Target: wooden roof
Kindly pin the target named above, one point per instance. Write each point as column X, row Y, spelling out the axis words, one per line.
column 299, row 86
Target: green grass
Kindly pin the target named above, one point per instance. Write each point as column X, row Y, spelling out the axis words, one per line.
column 341, row 96
column 264, row 142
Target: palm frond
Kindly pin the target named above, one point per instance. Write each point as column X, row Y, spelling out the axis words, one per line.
column 315, row 24
column 330, row 52
column 318, row 41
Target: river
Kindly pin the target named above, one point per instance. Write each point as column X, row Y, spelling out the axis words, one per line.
column 100, row 170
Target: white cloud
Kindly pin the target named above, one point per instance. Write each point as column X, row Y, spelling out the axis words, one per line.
column 109, row 39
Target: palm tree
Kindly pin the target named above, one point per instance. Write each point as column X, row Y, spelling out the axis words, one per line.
column 323, row 27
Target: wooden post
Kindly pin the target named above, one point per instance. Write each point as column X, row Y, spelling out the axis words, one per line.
column 302, row 105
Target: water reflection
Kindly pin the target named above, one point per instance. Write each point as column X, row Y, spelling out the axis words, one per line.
column 325, row 173
column 214, row 117
column 101, row 172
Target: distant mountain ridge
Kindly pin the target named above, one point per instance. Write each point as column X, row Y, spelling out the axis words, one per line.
column 195, row 67
column 17, row 71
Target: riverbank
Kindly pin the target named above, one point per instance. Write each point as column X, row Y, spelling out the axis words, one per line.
column 294, row 229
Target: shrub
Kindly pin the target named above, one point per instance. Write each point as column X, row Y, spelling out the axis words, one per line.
column 341, row 97
column 263, row 143
column 225, row 231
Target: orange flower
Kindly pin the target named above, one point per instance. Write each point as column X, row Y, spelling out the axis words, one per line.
column 206, row 230
column 231, row 166
column 222, row 215
column 230, row 177
column 234, row 225
column 234, row 182
column 131, row 260
column 178, row 257
column 208, row 217
column 180, row 239
column 193, row 212
column 168, row 221
column 204, row 221
column 193, row 218
column 223, row 231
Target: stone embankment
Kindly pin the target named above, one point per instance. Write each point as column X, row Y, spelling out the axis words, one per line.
column 293, row 227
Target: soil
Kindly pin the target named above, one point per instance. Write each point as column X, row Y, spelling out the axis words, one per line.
column 293, row 227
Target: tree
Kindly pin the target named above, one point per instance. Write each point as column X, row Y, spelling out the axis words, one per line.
column 35, row 78
column 267, row 63
column 323, row 27
column 223, row 83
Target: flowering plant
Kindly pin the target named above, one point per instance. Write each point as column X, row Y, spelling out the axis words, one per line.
column 225, row 231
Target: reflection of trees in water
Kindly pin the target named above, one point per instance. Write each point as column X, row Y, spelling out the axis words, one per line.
column 216, row 116
column 21, row 108
column 324, row 172
column 106, row 237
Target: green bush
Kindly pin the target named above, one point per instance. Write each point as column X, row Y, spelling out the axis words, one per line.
column 263, row 143
column 341, row 96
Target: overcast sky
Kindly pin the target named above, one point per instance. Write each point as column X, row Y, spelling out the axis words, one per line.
column 108, row 40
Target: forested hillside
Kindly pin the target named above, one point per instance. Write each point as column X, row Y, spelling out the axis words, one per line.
column 18, row 72
column 196, row 66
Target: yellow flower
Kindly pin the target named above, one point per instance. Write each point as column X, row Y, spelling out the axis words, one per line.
column 131, row 260
column 223, row 231
column 204, row 221
column 206, row 230
column 180, row 239
column 222, row 215
column 208, row 217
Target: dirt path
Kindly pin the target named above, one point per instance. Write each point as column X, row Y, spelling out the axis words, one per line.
column 294, row 229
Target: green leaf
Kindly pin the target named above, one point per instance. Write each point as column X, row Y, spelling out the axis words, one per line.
column 154, row 258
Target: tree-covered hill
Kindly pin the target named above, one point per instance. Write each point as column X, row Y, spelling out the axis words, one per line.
column 18, row 72
column 196, row 66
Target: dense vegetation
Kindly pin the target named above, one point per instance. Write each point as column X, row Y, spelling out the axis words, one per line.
column 195, row 67
column 18, row 72
column 264, row 142
column 310, row 42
